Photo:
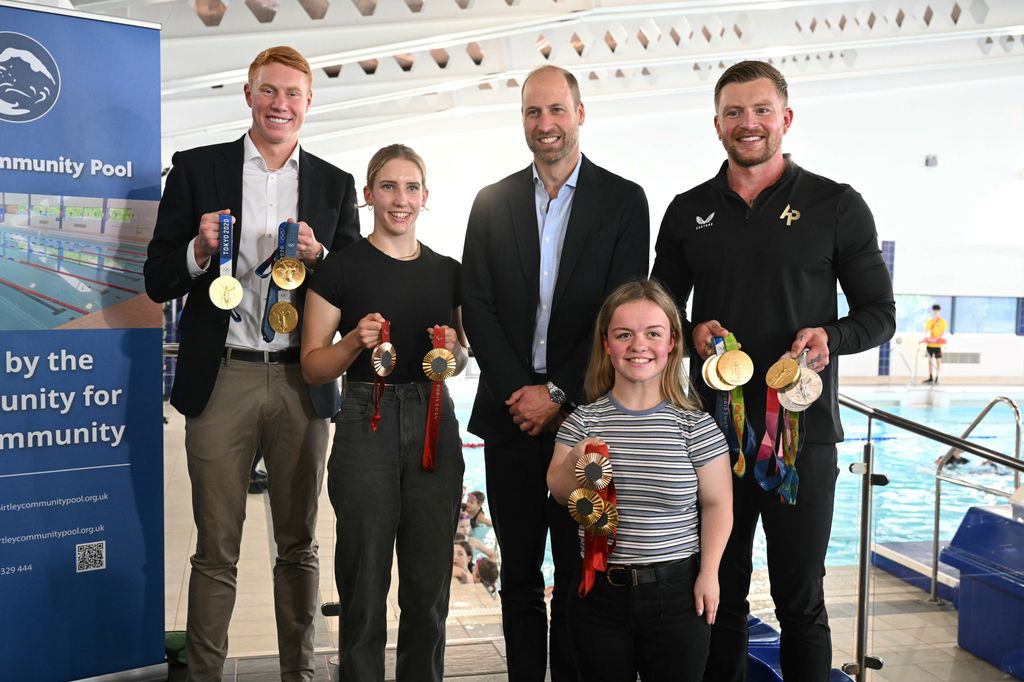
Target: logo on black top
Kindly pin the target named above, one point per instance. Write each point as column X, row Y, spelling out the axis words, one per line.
column 789, row 215
column 705, row 222
column 29, row 79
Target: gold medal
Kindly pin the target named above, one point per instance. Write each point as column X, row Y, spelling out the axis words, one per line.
column 735, row 367
column 439, row 364
column 782, row 374
column 226, row 292
column 711, row 376
column 593, row 471
column 585, row 506
column 384, row 359
column 608, row 521
column 283, row 317
column 288, row 273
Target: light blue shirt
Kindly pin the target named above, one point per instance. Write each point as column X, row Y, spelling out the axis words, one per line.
column 552, row 219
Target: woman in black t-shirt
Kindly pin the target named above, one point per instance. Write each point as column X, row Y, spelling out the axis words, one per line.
column 384, row 489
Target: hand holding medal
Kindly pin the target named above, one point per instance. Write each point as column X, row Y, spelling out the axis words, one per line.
column 226, row 291
column 726, row 370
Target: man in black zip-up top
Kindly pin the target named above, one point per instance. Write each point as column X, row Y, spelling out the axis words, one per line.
column 760, row 247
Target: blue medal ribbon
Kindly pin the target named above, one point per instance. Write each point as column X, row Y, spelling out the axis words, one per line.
column 287, row 246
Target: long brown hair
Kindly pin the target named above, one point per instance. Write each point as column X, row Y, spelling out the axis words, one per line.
column 675, row 385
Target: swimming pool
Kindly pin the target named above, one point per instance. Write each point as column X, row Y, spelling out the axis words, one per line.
column 903, row 510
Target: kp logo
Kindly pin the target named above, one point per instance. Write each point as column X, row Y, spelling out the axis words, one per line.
column 705, row 222
column 29, row 79
column 789, row 215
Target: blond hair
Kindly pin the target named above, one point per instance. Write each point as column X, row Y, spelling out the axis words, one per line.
column 675, row 385
column 390, row 153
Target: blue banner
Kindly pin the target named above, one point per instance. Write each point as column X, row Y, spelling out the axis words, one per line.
column 81, row 428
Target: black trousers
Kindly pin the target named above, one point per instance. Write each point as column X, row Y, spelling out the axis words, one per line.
column 797, row 538
column 650, row 629
column 522, row 512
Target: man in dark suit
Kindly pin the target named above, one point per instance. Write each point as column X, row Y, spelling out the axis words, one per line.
column 543, row 248
column 238, row 390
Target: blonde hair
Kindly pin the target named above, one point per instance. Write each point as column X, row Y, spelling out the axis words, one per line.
column 282, row 54
column 675, row 385
column 390, row 153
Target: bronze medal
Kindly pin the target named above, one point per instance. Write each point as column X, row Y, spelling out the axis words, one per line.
column 284, row 317
column 585, row 506
column 593, row 471
column 226, row 292
column 439, row 364
column 782, row 374
column 607, row 522
column 288, row 273
column 384, row 359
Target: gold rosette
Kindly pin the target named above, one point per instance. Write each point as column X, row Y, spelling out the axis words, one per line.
column 384, row 359
column 288, row 273
column 593, row 471
column 585, row 506
column 439, row 364
column 608, row 521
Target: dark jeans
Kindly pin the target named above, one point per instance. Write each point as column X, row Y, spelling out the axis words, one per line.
column 650, row 629
column 522, row 512
column 797, row 539
column 384, row 499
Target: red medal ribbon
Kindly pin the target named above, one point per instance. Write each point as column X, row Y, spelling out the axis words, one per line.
column 595, row 547
column 769, row 450
column 378, row 381
column 434, row 413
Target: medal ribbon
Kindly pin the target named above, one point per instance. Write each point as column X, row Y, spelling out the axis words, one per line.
column 595, row 547
column 226, row 237
column 378, row 381
column 769, row 451
column 792, row 443
column 434, row 411
column 730, row 409
column 287, row 245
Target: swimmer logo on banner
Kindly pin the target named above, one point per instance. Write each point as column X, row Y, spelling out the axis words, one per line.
column 81, row 443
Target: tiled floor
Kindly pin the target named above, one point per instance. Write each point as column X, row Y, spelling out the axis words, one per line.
column 916, row 640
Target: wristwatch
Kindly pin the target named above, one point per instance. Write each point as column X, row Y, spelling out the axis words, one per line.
column 557, row 394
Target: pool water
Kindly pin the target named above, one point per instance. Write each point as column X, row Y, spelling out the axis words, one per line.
column 903, row 510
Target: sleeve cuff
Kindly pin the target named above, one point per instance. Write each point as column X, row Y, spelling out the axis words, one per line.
column 194, row 271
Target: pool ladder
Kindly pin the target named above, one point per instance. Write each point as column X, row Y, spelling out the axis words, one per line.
column 863, row 661
column 952, row 454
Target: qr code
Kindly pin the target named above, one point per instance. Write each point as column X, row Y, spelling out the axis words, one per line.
column 91, row 556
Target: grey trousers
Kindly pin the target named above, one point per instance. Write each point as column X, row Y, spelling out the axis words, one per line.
column 385, row 501
column 267, row 405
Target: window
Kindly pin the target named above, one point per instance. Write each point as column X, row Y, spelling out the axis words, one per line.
column 984, row 315
column 912, row 310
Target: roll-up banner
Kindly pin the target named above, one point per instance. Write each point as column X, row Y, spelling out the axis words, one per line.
column 81, row 448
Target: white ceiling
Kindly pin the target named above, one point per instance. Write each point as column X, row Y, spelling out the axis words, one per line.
column 397, row 63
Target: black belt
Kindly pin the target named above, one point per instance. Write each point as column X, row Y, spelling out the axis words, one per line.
column 267, row 357
column 623, row 575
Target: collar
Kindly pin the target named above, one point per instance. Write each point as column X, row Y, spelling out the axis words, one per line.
column 570, row 182
column 252, row 155
column 721, row 181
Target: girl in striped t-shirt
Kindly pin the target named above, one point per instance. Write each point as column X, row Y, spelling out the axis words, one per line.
column 650, row 610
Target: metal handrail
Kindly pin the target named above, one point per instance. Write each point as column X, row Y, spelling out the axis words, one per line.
column 940, row 477
column 866, row 469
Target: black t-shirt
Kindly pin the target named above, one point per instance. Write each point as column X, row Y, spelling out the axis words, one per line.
column 412, row 295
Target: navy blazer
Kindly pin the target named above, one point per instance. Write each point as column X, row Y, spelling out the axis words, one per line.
column 207, row 179
column 607, row 242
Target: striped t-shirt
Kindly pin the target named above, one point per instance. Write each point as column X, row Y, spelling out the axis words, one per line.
column 654, row 455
